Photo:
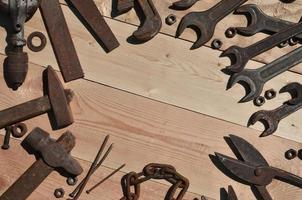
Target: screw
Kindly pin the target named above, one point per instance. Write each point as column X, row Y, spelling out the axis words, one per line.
column 231, row 32
column 290, row 154
column 59, row 193
column 6, row 140
column 72, row 181
column 270, row 94
column 171, row 19
column 216, row 44
column 259, row 101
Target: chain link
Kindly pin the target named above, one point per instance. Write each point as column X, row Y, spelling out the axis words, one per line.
column 156, row 171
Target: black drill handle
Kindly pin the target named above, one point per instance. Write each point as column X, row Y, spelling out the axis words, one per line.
column 16, row 68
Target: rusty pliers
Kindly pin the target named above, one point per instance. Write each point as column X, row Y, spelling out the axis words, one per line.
column 253, row 169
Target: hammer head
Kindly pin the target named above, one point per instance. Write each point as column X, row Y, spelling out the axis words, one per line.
column 58, row 98
column 54, row 153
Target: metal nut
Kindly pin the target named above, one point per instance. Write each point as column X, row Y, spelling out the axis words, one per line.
column 59, row 193
column 216, row 44
column 259, row 101
column 270, row 94
column 72, row 181
column 290, row 154
column 231, row 32
column 171, row 19
column 36, row 48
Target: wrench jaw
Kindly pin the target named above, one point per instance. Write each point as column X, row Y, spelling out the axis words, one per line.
column 238, row 58
column 295, row 90
column 203, row 30
column 250, row 80
column 267, row 119
column 254, row 17
column 183, row 4
column 148, row 30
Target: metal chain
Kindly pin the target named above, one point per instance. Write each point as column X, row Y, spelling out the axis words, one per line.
column 156, row 171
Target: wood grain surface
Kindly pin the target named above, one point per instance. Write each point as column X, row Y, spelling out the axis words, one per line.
column 146, row 131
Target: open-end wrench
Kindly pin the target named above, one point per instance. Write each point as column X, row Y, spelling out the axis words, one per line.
column 240, row 56
column 183, row 4
column 271, row 118
column 204, row 23
column 256, row 78
column 152, row 22
column 258, row 21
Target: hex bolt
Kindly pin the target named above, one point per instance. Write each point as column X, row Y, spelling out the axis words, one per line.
column 270, row 94
column 59, row 193
column 216, row 44
column 231, row 32
column 6, row 140
column 171, row 19
column 72, row 181
column 259, row 101
column 290, row 154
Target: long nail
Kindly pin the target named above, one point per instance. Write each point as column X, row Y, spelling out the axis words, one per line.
column 106, row 178
column 79, row 189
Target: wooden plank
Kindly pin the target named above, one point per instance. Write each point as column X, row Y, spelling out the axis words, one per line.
column 146, row 131
column 111, row 189
column 173, row 74
column 276, row 8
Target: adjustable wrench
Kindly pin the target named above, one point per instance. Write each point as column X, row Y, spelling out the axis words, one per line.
column 152, row 24
column 204, row 23
column 258, row 21
column 240, row 56
column 256, row 78
column 271, row 118
column 183, row 4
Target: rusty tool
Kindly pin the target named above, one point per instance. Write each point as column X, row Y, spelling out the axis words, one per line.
column 258, row 21
column 231, row 193
column 183, row 4
column 96, row 23
column 240, row 56
column 154, row 171
column 204, row 23
column 256, row 78
column 252, row 168
column 152, row 21
column 16, row 66
column 52, row 155
column 55, row 101
column 94, row 166
column 17, row 130
column 271, row 118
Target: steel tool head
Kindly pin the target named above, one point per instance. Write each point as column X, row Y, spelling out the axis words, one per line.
column 269, row 120
column 238, row 57
column 149, row 29
column 58, row 98
column 295, row 90
column 253, row 175
column 200, row 23
column 53, row 153
column 255, row 18
column 252, row 81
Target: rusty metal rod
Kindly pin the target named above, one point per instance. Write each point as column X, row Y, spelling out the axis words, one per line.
column 106, row 178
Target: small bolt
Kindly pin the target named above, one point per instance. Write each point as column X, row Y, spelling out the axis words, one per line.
column 231, row 32
column 5, row 145
column 59, row 193
column 270, row 94
column 171, row 19
column 216, row 44
column 72, row 181
column 259, row 101
column 290, row 154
